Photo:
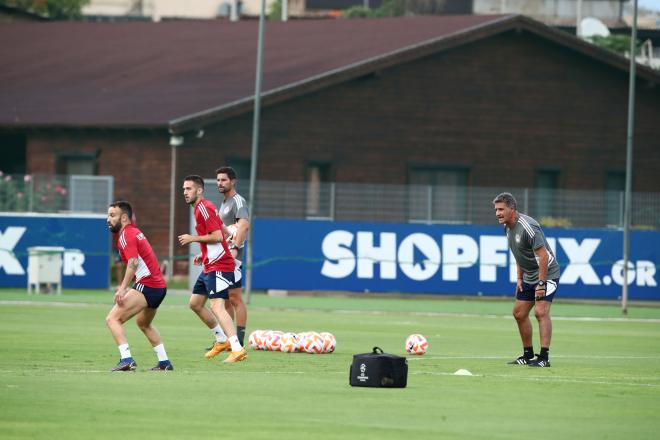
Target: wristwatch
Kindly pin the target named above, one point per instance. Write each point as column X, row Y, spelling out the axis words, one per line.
column 541, row 283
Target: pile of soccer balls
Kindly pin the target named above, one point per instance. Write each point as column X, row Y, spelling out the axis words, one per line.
column 416, row 344
column 305, row 342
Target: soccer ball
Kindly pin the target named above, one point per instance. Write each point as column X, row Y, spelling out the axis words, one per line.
column 329, row 342
column 289, row 342
column 255, row 340
column 301, row 338
column 274, row 342
column 313, row 343
column 262, row 341
column 416, row 344
column 232, row 232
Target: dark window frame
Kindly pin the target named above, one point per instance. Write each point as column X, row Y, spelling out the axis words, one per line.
column 546, row 203
column 318, row 205
column 459, row 213
column 62, row 160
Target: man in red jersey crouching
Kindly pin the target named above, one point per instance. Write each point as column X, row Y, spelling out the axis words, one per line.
column 145, row 294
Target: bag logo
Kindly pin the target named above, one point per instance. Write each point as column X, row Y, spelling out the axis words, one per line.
column 362, row 377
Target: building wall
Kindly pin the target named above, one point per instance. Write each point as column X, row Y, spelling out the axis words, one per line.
column 138, row 160
column 197, row 9
column 550, row 9
column 503, row 108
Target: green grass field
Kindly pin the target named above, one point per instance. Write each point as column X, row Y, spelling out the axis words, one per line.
column 56, row 353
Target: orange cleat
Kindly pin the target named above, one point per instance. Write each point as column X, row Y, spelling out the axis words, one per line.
column 218, row 348
column 236, row 356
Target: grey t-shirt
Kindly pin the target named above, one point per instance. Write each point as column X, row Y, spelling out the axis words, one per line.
column 525, row 236
column 230, row 211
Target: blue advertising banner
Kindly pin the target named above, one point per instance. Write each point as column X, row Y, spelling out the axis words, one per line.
column 85, row 239
column 443, row 259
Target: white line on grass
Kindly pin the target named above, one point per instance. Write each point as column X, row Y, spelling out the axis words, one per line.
column 560, row 379
column 556, row 379
column 457, row 315
column 187, row 372
column 358, row 312
column 45, row 303
column 564, row 356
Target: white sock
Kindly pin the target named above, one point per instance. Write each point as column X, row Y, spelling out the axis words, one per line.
column 160, row 352
column 124, row 351
column 219, row 334
column 235, row 345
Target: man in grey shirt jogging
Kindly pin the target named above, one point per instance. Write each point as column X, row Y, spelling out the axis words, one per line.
column 236, row 222
column 538, row 274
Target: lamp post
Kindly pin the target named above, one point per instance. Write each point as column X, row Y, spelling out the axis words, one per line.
column 255, row 147
column 629, row 157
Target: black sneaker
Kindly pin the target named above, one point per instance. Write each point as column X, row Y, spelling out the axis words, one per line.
column 163, row 366
column 520, row 360
column 127, row 364
column 539, row 362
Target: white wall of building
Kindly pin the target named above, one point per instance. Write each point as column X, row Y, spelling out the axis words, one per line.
column 558, row 9
column 157, row 9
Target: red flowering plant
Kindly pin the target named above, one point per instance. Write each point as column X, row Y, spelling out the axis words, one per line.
column 13, row 195
column 21, row 193
column 50, row 194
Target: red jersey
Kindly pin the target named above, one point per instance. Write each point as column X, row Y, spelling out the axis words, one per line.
column 115, row 235
column 216, row 256
column 133, row 244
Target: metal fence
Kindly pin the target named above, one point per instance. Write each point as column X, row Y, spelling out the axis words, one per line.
column 355, row 201
column 444, row 204
column 55, row 193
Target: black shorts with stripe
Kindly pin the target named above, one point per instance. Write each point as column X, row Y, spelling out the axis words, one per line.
column 214, row 284
column 529, row 291
column 153, row 295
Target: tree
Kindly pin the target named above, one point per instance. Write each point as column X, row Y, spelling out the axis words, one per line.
column 397, row 8
column 56, row 9
column 275, row 12
column 615, row 42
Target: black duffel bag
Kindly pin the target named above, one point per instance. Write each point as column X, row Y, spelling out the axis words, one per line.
column 378, row 369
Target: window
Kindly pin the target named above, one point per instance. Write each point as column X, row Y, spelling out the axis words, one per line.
column 547, row 185
column 318, row 196
column 615, row 185
column 438, row 194
column 13, row 153
column 78, row 164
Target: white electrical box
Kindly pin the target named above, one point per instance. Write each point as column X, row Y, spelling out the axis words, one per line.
column 45, row 267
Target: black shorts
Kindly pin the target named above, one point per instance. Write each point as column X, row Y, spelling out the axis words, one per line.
column 214, row 284
column 238, row 278
column 528, row 292
column 153, row 295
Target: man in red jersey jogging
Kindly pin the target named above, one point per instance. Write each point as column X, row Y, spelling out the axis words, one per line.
column 144, row 296
column 217, row 276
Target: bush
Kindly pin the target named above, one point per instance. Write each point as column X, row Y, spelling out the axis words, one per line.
column 555, row 222
column 27, row 193
column 615, row 43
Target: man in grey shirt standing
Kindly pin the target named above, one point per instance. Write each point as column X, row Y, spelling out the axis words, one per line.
column 538, row 274
column 236, row 222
